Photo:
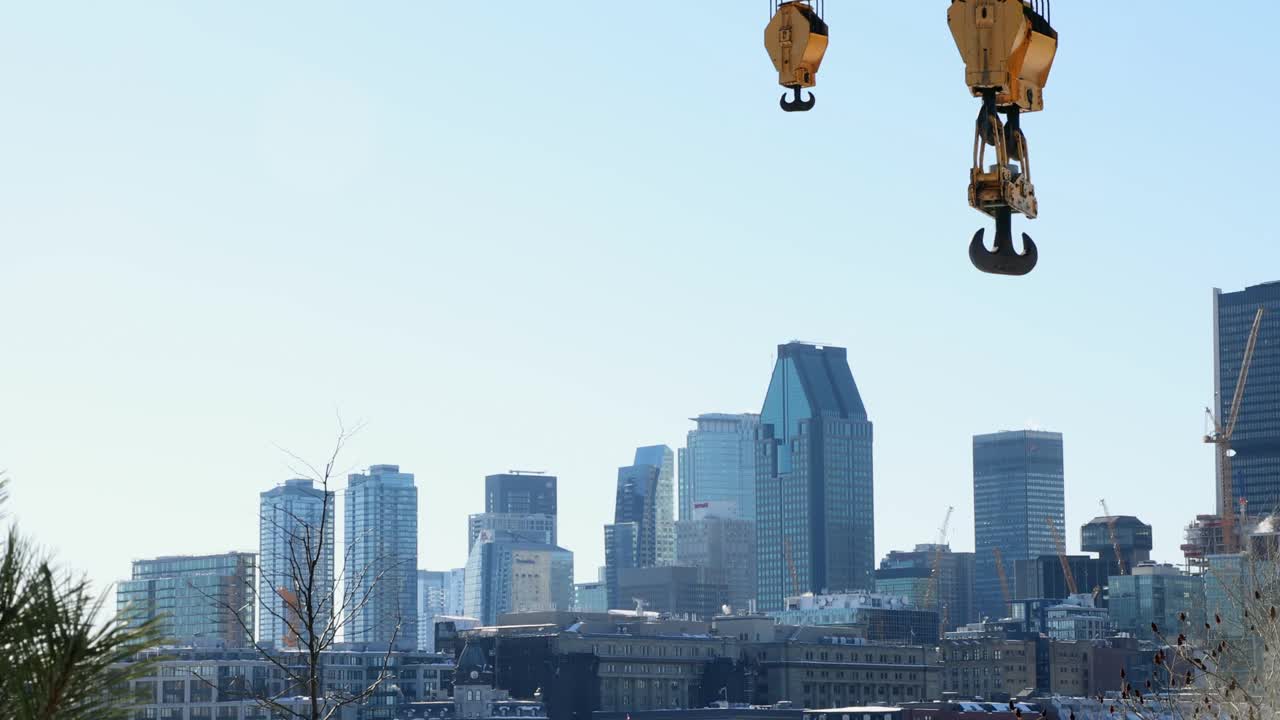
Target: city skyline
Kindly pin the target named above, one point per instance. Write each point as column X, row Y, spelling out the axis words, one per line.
column 205, row 257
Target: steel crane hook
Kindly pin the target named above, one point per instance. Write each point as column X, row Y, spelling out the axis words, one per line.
column 797, row 103
column 1003, row 259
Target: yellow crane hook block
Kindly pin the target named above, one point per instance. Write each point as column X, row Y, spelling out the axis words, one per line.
column 796, row 39
column 1007, row 46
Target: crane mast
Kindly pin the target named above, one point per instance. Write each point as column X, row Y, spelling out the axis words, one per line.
column 1221, row 438
column 1062, row 554
column 935, row 569
column 1111, row 532
column 1004, row 579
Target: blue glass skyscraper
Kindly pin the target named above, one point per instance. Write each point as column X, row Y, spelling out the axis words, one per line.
column 1017, row 484
column 664, row 517
column 1255, row 467
column 718, row 464
column 381, row 512
column 814, row 505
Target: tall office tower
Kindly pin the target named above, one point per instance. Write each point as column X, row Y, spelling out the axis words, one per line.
column 636, row 501
column 1255, row 468
column 539, row 529
column 814, row 509
column 718, row 463
column 192, row 595
column 521, row 493
column 506, row 575
column 1017, row 484
column 381, row 528
column 724, row 546
column 662, row 458
column 910, row 575
column 295, row 522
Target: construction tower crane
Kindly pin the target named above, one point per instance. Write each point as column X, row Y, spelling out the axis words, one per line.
column 1062, row 554
column 1111, row 532
column 1221, row 437
column 935, row 570
column 1004, row 579
column 791, row 567
column 796, row 38
column 1008, row 47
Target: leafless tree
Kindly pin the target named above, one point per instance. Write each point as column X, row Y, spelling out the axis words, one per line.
column 1230, row 668
column 315, row 606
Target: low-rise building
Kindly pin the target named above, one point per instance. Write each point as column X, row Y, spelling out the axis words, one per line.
column 194, row 597
column 690, row 591
column 882, row 618
column 1076, row 618
column 189, row 683
column 635, row 661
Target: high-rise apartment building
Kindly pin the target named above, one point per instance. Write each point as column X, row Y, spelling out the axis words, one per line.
column 295, row 526
column 662, row 458
column 193, row 595
column 1017, row 486
column 1255, row 467
column 381, row 535
column 521, row 493
column 724, row 546
column 718, row 463
column 814, row 509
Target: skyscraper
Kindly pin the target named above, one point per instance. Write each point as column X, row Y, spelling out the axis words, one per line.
column 718, row 463
column 814, row 509
column 1017, row 484
column 295, row 521
column 197, row 597
column 506, row 575
column 440, row 595
column 521, row 493
column 621, row 549
column 636, row 501
column 381, row 528
column 1255, row 467
column 662, row 458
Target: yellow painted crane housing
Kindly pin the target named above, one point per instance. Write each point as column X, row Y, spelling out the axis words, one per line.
column 796, row 38
column 1008, row 48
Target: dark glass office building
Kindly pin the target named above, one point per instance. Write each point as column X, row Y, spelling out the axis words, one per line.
column 1042, row 578
column 1255, row 469
column 1017, row 484
column 519, row 493
column 631, row 541
column 814, row 508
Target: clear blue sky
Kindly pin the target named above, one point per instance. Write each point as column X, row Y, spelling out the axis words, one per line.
column 508, row 235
